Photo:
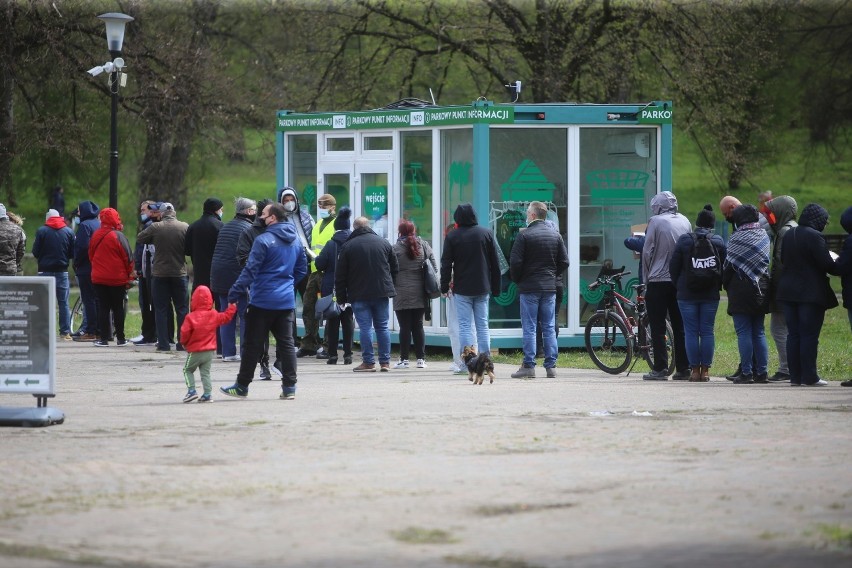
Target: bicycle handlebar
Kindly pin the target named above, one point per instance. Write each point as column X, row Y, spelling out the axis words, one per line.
column 607, row 279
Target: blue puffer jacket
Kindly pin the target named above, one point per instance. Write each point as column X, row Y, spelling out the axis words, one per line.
column 225, row 266
column 275, row 262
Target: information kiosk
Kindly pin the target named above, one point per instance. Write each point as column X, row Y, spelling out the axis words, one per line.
column 595, row 166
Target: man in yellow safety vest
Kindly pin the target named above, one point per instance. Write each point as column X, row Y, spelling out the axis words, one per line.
column 321, row 233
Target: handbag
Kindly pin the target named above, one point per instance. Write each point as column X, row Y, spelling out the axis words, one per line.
column 327, row 307
column 431, row 286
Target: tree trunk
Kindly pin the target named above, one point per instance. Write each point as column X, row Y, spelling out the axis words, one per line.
column 7, row 117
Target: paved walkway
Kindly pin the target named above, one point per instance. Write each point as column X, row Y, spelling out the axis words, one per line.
column 421, row 468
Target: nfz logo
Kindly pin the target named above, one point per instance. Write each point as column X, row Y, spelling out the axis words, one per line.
column 704, row 262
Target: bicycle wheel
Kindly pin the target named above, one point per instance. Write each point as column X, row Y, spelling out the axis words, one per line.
column 608, row 342
column 77, row 315
column 647, row 348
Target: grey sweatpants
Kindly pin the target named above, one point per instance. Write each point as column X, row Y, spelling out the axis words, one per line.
column 778, row 330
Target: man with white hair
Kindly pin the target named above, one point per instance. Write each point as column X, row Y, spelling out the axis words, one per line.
column 169, row 271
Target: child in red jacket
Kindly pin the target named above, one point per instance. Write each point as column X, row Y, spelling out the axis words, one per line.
column 198, row 336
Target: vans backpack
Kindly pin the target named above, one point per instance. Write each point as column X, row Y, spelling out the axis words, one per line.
column 704, row 271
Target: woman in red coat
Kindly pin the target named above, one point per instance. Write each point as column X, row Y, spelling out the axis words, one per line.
column 112, row 274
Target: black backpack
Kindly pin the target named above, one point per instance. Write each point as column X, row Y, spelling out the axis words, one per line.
column 704, row 271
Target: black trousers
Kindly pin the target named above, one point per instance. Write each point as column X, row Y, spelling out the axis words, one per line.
column 259, row 323
column 110, row 301
column 411, row 325
column 661, row 300
column 332, row 330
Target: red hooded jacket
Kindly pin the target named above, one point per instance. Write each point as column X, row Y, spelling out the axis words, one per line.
column 109, row 252
column 198, row 332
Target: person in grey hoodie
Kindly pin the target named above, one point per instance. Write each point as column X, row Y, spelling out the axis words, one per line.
column 665, row 227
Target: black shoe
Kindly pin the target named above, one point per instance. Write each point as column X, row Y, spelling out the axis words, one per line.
column 163, row 349
column 179, row 347
column 735, row 374
column 846, row 383
column 347, row 360
column 331, row 361
column 681, row 375
column 779, row 377
column 744, row 379
column 657, row 376
column 305, row 352
column 322, row 353
column 265, row 373
column 761, row 378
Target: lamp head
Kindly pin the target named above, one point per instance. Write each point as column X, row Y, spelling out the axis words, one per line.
column 115, row 23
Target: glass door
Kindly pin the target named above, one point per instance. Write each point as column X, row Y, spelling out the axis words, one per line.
column 374, row 199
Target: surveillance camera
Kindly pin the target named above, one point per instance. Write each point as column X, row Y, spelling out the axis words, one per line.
column 95, row 71
column 119, row 63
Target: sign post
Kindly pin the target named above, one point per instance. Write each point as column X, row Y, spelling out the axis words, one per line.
column 28, row 348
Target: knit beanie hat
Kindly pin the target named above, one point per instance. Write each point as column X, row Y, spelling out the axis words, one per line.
column 3, row 212
column 814, row 216
column 51, row 213
column 211, row 205
column 341, row 222
column 706, row 218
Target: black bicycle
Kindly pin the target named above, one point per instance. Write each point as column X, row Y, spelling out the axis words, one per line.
column 614, row 337
column 77, row 313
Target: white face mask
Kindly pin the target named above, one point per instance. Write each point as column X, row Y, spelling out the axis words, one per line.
column 290, row 206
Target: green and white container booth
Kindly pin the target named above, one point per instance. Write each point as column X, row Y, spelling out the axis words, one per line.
column 596, row 167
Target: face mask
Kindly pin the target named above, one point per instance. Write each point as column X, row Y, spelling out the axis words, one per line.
column 290, row 206
column 219, row 214
column 143, row 217
column 76, row 220
column 323, row 213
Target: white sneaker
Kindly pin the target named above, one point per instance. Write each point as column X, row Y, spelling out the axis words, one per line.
column 137, row 339
column 421, row 363
column 403, row 364
column 232, row 358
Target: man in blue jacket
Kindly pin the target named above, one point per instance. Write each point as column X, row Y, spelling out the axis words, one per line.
column 54, row 248
column 87, row 212
column 276, row 262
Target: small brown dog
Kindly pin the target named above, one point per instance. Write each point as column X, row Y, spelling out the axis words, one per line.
column 477, row 365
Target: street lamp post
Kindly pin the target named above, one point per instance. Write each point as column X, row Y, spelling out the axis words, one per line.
column 115, row 23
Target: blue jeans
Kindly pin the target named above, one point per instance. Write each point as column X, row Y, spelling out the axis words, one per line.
column 373, row 314
column 804, row 323
column 473, row 309
column 539, row 307
column 168, row 290
column 698, row 320
column 228, row 330
column 90, row 304
column 63, row 293
column 751, row 341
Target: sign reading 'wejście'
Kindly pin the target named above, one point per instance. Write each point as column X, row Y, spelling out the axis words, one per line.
column 27, row 334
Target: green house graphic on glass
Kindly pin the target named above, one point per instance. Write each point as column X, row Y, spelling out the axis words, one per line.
column 527, row 184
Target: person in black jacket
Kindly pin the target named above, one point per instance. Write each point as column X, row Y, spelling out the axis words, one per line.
column 469, row 260
column 225, row 270
column 327, row 263
column 697, row 307
column 746, row 278
column 537, row 261
column 805, row 292
column 366, row 268
column 843, row 267
column 201, row 242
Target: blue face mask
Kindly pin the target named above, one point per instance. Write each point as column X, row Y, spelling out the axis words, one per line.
column 76, row 220
column 323, row 213
column 143, row 217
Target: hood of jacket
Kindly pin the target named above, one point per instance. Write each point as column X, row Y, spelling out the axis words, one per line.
column 202, row 299
column 55, row 222
column 846, row 220
column 465, row 216
column 110, row 219
column 88, row 210
column 284, row 231
column 784, row 208
column 814, row 216
column 340, row 236
column 664, row 202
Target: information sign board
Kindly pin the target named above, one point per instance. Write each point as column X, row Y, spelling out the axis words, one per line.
column 27, row 334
